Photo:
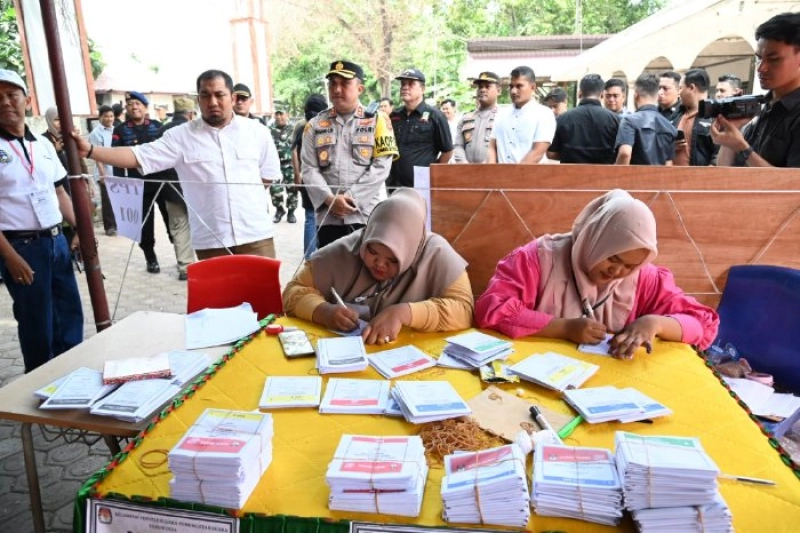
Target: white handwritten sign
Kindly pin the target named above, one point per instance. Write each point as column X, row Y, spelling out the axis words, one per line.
column 109, row 516
column 126, row 197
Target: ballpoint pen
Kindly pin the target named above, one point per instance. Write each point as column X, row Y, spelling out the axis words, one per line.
column 747, row 479
column 543, row 423
column 338, row 298
column 588, row 312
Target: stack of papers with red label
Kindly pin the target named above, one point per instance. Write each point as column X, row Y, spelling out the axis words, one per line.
column 428, row 401
column 576, row 482
column 476, row 349
column 486, row 487
column 135, row 401
column 603, row 404
column 673, row 477
column 401, row 361
column 554, row 371
column 383, row 475
column 341, row 354
column 355, row 396
column 290, row 391
column 221, row 458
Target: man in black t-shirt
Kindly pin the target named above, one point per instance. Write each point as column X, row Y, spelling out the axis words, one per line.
column 421, row 130
column 773, row 138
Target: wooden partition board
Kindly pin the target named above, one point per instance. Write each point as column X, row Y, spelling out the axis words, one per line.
column 708, row 218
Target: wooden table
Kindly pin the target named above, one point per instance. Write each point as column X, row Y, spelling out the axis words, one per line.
column 140, row 334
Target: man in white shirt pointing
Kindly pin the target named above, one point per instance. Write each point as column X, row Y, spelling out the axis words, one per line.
column 223, row 162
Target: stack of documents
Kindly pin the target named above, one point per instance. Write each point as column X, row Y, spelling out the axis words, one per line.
column 214, row 327
column 290, row 391
column 782, row 410
column 661, row 472
column 221, row 458
column 603, row 404
column 486, row 487
column 576, row 482
column 133, row 368
column 401, row 361
column 341, row 354
column 428, row 401
column 135, row 401
column 355, row 396
column 383, row 475
column 476, row 349
column 554, row 371
column 78, row 390
column 710, row 518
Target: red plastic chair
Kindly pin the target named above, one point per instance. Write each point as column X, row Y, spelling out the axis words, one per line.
column 230, row 280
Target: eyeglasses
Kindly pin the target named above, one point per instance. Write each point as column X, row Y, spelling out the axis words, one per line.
column 242, row 98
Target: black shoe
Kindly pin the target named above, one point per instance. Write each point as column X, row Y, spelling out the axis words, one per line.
column 183, row 276
column 290, row 218
column 153, row 267
column 278, row 215
column 111, row 232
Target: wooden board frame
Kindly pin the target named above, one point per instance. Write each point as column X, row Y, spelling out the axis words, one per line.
column 708, row 218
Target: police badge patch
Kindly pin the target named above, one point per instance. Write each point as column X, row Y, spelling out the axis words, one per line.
column 4, row 157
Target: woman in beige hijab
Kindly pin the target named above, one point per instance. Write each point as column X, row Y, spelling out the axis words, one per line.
column 595, row 280
column 392, row 273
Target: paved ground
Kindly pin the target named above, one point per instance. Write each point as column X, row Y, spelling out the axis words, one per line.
column 64, row 467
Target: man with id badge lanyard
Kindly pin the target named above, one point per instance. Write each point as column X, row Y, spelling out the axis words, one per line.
column 34, row 254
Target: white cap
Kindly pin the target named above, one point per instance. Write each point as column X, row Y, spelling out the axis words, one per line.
column 9, row 76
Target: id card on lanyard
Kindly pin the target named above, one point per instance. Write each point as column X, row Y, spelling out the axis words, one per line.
column 42, row 197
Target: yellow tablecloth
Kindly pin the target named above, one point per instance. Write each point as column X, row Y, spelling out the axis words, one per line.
column 305, row 441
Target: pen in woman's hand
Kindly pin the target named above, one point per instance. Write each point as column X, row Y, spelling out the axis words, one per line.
column 338, row 298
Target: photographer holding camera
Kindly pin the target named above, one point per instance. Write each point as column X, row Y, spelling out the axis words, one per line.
column 773, row 138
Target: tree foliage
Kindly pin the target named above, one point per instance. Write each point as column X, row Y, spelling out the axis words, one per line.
column 386, row 36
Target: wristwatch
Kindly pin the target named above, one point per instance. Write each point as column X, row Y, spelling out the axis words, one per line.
column 746, row 153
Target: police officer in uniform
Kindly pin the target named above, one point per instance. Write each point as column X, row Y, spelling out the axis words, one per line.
column 282, row 135
column 471, row 144
column 35, row 260
column 346, row 156
column 139, row 129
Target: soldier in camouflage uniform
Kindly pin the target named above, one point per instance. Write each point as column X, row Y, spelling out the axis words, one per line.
column 282, row 135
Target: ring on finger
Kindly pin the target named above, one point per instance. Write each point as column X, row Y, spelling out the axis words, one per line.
column 386, row 339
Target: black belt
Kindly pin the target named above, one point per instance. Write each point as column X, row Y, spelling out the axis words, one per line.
column 37, row 234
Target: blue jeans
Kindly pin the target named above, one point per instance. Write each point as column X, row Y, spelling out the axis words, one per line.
column 49, row 313
column 309, row 233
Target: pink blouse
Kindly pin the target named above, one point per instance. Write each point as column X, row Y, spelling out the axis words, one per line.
column 508, row 303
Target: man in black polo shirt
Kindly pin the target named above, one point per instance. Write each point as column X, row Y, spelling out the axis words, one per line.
column 773, row 138
column 422, row 132
column 587, row 133
column 645, row 137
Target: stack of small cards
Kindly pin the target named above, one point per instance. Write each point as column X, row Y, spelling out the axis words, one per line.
column 428, row 401
column 341, row 354
column 383, row 475
column 77, row 390
column 673, row 475
column 401, row 361
column 221, row 458
column 355, row 396
column 476, row 349
column 290, row 391
column 554, row 371
column 486, row 487
column 603, row 404
column 576, row 482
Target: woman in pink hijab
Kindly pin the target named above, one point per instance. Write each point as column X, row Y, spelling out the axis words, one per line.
column 392, row 273
column 595, row 280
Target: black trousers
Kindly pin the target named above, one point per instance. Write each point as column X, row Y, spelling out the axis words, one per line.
column 148, row 241
column 328, row 233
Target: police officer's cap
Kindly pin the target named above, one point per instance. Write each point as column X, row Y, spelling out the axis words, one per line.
column 411, row 74
column 345, row 69
column 491, row 77
column 134, row 95
column 242, row 89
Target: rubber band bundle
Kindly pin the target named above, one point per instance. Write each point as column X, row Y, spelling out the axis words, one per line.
column 449, row 436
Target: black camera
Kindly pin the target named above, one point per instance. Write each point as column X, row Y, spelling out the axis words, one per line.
column 733, row 107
